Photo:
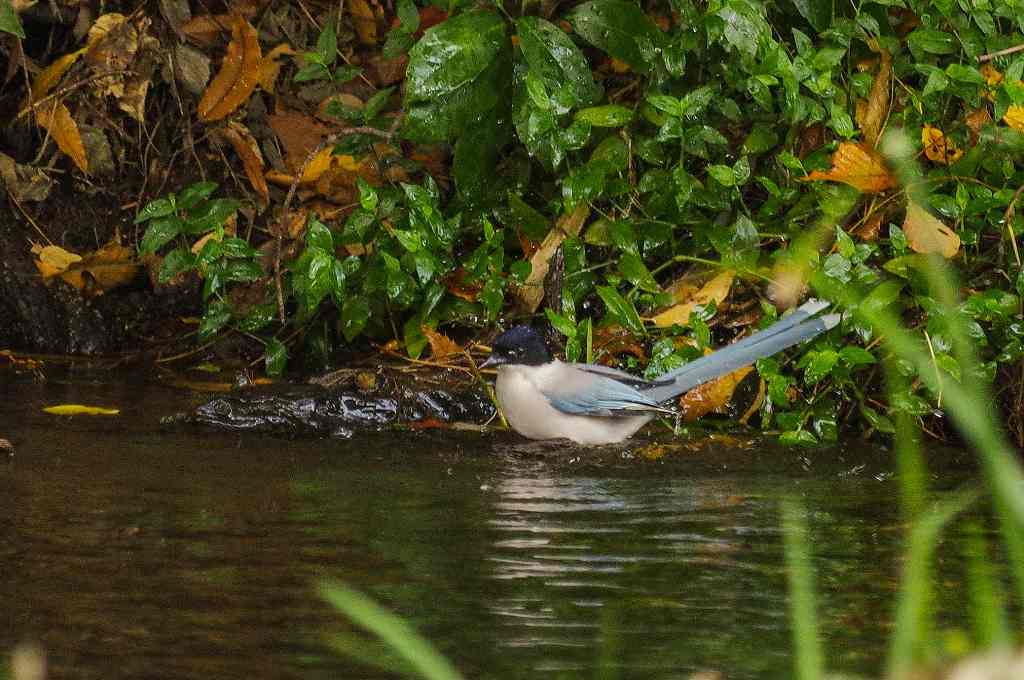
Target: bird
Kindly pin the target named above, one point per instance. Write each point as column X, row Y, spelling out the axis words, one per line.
column 544, row 398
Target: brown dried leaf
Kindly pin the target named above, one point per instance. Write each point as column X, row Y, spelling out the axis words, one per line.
column 868, row 230
column 238, row 75
column 926, row 234
column 859, row 166
column 364, row 20
column 53, row 260
column 872, row 116
column 248, row 150
column 975, row 120
column 531, row 292
column 205, row 29
column 937, row 148
column 716, row 290
column 441, row 346
column 56, row 119
column 298, row 133
column 110, row 267
column 270, row 66
column 713, row 395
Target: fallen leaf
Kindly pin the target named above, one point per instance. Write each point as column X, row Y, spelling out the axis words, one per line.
column 531, row 292
column 1015, row 117
column 868, row 230
column 716, row 290
column 713, row 395
column 975, row 120
column 859, row 166
column 24, row 182
column 111, row 46
column 238, row 75
column 51, row 75
column 53, row 260
column 429, row 424
column 55, row 118
column 991, row 75
column 248, row 150
column 937, row 148
column 926, row 234
column 270, row 66
column 298, row 134
column 364, row 20
column 81, row 410
column 441, row 346
column 875, row 110
column 205, row 29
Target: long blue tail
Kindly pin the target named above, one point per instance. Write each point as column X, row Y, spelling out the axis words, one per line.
column 801, row 325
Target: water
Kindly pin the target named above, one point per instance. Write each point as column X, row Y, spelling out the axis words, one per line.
column 130, row 550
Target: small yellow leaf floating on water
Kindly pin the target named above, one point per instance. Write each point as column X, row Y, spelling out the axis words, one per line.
column 926, row 234
column 937, row 148
column 81, row 410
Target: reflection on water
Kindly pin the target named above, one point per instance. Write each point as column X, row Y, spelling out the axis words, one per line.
column 131, row 551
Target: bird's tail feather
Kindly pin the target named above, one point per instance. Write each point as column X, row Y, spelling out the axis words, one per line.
column 795, row 328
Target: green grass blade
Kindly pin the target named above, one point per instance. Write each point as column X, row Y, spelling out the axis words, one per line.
column 810, row 660
column 987, row 610
column 395, row 633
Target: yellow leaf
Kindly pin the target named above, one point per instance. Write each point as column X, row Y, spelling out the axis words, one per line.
column 55, row 118
column 52, row 74
column 441, row 345
column 992, row 76
column 364, row 20
column 712, row 395
column 716, row 290
column 81, row 410
column 937, row 148
column 270, row 66
column 1015, row 117
column 859, row 166
column 53, row 260
column 532, row 290
column 238, row 75
column 871, row 116
column 926, row 234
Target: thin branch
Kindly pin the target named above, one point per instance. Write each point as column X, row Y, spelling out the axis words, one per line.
column 1001, row 53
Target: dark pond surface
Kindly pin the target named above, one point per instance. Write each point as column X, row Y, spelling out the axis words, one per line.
column 128, row 549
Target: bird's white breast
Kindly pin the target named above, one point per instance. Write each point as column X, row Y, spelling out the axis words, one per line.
column 520, row 391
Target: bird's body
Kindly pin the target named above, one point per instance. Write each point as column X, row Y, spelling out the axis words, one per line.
column 543, row 398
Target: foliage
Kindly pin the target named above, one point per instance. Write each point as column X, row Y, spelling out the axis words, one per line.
column 707, row 137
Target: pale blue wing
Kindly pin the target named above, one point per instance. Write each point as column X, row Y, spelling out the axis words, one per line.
column 595, row 393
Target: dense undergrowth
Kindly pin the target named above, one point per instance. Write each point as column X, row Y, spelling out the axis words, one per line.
column 688, row 167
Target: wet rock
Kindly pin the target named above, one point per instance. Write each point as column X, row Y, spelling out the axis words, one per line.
column 348, row 406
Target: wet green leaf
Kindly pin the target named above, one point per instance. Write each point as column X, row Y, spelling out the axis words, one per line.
column 636, row 272
column 209, row 215
column 354, row 316
column 318, row 235
column 609, row 115
column 931, row 41
column 622, row 309
column 821, row 364
column 217, row 315
column 177, row 261
column 275, row 357
column 621, row 29
column 161, row 207
column 9, row 21
column 194, row 193
column 553, row 57
column 161, row 230
column 562, row 324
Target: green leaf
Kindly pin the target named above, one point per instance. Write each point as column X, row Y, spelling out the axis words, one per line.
column 667, row 104
column 453, row 75
column 161, row 207
column 318, row 235
column 476, row 160
column 723, row 175
column 177, row 261
column 879, row 421
column 821, row 364
column 209, row 215
column 312, row 71
column 375, row 104
column 636, row 272
column 553, row 57
column 932, row 41
column 217, row 315
column 798, row 438
column 232, row 246
column 622, row 309
column 327, row 43
column 242, row 271
column 194, row 193
column 609, row 115
column 9, row 21
column 620, row 29
column 745, row 26
column 160, row 231
column 408, row 16
column 562, row 324
column 412, row 336
column 852, row 355
column 275, row 357
column 354, row 316
column 817, row 12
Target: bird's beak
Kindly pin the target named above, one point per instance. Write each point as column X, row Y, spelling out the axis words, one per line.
column 489, row 361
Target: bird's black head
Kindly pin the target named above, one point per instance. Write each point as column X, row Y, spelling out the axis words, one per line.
column 518, row 345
